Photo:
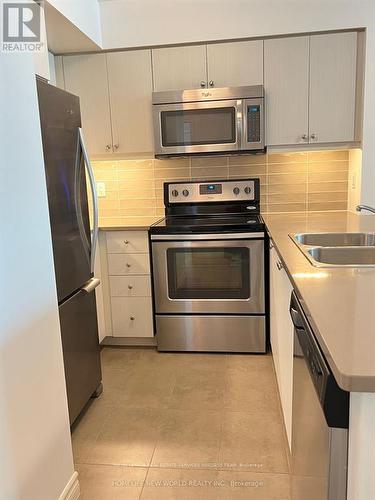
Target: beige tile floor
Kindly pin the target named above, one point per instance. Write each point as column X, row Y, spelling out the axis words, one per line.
column 182, row 426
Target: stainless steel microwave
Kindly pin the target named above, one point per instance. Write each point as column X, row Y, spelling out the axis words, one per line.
column 208, row 121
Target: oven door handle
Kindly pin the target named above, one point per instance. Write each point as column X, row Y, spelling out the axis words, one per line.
column 205, row 237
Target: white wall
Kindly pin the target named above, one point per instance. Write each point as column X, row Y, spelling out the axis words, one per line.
column 41, row 62
column 84, row 14
column 129, row 23
column 134, row 23
column 35, row 453
column 354, row 180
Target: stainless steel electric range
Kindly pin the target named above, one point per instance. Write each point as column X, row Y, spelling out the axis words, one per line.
column 208, row 256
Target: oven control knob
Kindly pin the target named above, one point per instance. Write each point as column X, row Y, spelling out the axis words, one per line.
column 174, row 192
column 185, row 192
column 247, row 189
column 236, row 190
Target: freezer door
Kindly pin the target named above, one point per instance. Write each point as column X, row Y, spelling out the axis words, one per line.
column 79, row 332
column 66, row 184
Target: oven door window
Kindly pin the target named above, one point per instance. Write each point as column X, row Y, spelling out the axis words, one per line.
column 209, row 273
column 197, row 127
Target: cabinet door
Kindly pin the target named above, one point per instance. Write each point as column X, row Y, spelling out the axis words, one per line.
column 59, row 72
column 332, row 87
column 86, row 76
column 282, row 336
column 286, row 80
column 235, row 63
column 177, row 68
column 130, row 89
column 132, row 316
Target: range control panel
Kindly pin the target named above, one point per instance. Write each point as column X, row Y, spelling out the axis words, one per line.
column 216, row 191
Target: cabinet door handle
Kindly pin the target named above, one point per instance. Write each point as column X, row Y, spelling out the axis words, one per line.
column 313, row 136
column 115, row 147
column 203, row 84
column 130, row 287
column 304, row 137
column 132, row 318
column 108, row 147
column 211, row 83
column 126, row 242
column 279, row 265
column 128, row 265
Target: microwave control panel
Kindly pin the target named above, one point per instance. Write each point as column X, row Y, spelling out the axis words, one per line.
column 195, row 192
column 253, row 123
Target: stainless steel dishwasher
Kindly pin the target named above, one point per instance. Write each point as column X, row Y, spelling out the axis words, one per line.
column 320, row 419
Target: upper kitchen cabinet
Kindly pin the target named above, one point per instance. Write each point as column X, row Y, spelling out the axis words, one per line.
column 130, row 89
column 310, row 86
column 86, row 76
column 177, row 68
column 59, row 72
column 332, row 87
column 286, row 80
column 214, row 65
column 235, row 63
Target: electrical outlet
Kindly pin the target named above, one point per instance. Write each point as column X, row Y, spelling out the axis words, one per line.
column 100, row 188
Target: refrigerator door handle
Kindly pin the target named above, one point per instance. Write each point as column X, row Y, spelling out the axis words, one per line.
column 94, row 238
column 91, row 285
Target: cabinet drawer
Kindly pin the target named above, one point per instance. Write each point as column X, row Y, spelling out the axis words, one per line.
column 132, row 263
column 127, row 241
column 132, row 316
column 130, row 286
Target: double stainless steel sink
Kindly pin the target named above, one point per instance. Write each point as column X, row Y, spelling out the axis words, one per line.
column 337, row 249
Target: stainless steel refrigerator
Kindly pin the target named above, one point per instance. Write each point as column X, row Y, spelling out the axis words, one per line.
column 74, row 243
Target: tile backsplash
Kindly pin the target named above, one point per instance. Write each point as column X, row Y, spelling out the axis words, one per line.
column 290, row 182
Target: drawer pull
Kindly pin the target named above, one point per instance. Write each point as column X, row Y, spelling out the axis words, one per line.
column 279, row 265
column 128, row 265
column 132, row 318
column 126, row 242
column 130, row 287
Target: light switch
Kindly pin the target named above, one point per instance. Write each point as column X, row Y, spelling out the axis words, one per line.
column 100, row 188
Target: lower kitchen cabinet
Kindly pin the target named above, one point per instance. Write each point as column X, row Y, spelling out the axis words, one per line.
column 282, row 335
column 131, row 316
column 131, row 263
column 126, row 290
column 130, row 286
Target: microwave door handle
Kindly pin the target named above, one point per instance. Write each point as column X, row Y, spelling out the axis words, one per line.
column 239, row 115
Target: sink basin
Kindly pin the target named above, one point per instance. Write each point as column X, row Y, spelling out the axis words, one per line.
column 336, row 239
column 337, row 249
column 343, row 256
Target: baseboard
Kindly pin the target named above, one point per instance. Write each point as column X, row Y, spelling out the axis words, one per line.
column 129, row 341
column 71, row 490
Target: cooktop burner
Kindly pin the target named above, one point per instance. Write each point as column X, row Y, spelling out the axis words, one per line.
column 209, row 223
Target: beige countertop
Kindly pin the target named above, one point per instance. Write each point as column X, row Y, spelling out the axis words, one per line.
column 339, row 302
column 127, row 223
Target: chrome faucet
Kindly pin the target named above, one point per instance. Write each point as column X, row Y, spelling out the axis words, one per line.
column 365, row 207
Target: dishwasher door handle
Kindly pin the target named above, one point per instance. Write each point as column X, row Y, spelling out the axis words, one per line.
column 296, row 318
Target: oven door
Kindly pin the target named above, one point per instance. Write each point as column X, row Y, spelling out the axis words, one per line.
column 197, row 127
column 224, row 276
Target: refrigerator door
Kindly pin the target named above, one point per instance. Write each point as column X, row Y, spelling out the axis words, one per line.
column 66, row 184
column 79, row 332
